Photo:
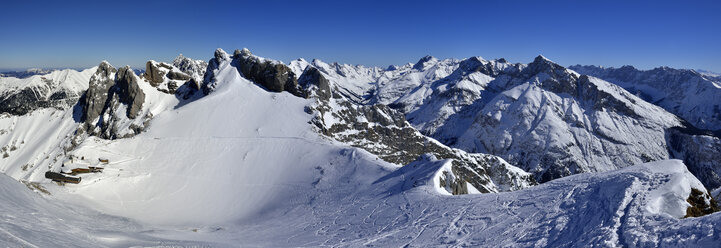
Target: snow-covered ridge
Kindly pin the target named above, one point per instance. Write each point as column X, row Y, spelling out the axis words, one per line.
column 689, row 94
column 576, row 123
column 27, row 73
column 57, row 89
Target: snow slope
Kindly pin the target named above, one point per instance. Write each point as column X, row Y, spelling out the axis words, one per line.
column 620, row 208
column 30, row 219
column 69, row 79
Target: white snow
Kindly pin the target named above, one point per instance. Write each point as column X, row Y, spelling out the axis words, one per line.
column 68, row 79
column 242, row 167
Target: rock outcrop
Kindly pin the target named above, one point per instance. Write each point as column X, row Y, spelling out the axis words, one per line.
column 128, row 91
column 167, row 78
column 272, row 75
column 95, row 98
column 153, row 73
column 195, row 69
column 209, row 80
column 385, row 132
column 701, row 204
column 700, row 150
column 110, row 91
column 314, row 83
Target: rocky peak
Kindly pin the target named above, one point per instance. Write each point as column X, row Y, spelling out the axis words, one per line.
column 552, row 76
column 313, row 82
column 423, row 62
column 272, row 75
column 167, row 78
column 477, row 64
column 101, row 104
column 95, row 97
column 220, row 55
column 104, row 70
column 128, row 91
column 154, row 74
column 541, row 64
column 180, row 59
column 189, row 66
column 245, row 52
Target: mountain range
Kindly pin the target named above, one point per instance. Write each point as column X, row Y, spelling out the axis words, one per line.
column 246, row 150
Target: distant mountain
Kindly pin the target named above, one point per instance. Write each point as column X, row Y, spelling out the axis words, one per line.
column 57, row 89
column 693, row 96
column 542, row 117
column 26, row 73
column 708, row 73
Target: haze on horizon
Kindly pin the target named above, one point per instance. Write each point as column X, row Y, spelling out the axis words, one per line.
column 645, row 34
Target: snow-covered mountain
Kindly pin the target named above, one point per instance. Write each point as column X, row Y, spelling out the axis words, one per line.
column 57, row 89
column 263, row 153
column 711, row 74
column 694, row 96
column 27, row 73
column 542, row 117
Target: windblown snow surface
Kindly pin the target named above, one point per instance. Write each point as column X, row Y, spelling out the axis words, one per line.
column 242, row 167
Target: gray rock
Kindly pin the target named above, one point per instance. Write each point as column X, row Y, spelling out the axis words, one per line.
column 195, row 69
column 274, row 76
column 209, row 80
column 129, row 91
column 96, row 96
column 700, row 150
column 312, row 82
column 383, row 131
column 153, row 74
column 178, row 76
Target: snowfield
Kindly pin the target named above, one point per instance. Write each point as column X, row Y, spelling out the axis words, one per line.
column 243, row 167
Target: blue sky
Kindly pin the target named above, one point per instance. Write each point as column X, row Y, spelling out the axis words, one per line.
column 646, row 34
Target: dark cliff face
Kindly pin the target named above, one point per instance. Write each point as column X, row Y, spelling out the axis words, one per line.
column 276, row 77
column 700, row 150
column 128, row 91
column 313, row 82
column 153, row 73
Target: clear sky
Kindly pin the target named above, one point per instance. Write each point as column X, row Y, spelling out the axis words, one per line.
column 646, row 34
